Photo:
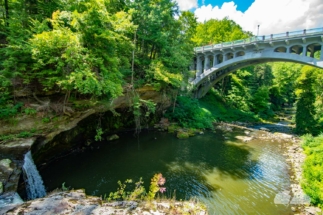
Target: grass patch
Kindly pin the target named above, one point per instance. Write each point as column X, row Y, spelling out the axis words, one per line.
column 201, row 114
column 312, row 183
column 23, row 134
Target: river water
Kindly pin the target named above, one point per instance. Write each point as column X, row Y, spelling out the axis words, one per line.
column 228, row 175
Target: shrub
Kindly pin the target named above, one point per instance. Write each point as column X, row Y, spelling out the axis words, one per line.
column 313, row 168
column 189, row 114
column 139, row 192
column 7, row 109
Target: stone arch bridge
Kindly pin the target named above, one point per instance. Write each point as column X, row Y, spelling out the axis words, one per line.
column 214, row 62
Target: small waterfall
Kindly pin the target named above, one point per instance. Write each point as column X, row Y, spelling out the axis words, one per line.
column 34, row 183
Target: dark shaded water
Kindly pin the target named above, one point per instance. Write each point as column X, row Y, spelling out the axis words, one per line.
column 229, row 176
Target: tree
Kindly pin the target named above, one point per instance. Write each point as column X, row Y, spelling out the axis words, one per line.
column 217, row 31
column 81, row 52
column 305, row 110
column 285, row 76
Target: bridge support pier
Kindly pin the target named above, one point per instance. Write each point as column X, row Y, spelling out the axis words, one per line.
column 304, row 51
column 215, row 60
column 198, row 65
column 207, row 62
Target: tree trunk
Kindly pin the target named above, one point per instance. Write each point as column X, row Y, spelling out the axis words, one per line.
column 6, row 6
column 133, row 61
column 174, row 104
column 152, row 51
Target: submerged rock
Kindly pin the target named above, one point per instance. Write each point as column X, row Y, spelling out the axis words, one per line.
column 264, row 129
column 182, row 135
column 9, row 175
column 112, row 137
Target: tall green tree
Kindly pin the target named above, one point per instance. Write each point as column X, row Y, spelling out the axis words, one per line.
column 305, row 110
column 284, row 83
column 163, row 46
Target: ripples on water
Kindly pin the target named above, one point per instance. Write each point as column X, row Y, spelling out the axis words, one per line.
column 230, row 176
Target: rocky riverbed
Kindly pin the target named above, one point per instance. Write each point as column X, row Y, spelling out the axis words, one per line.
column 295, row 157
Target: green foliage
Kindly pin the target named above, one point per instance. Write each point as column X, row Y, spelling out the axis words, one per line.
column 305, row 110
column 5, row 108
column 30, row 111
column 45, row 120
column 24, row 134
column 182, row 134
column 64, row 188
column 98, row 135
column 312, row 183
column 239, row 94
column 137, row 190
column 189, row 114
column 260, row 102
column 140, row 106
column 217, row 31
column 284, row 83
column 8, row 109
column 160, row 73
column 156, row 184
column 221, row 111
column 78, row 54
column 7, row 137
column 163, row 50
column 248, row 90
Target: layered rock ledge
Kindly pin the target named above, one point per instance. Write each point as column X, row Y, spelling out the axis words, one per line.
column 77, row 202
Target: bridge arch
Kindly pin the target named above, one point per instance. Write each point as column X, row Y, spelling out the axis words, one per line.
column 296, row 49
column 214, row 62
column 229, row 56
column 313, row 48
column 240, row 53
column 219, row 58
column 281, row 49
column 210, row 78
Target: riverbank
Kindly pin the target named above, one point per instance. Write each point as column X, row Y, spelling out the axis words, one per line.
column 295, row 157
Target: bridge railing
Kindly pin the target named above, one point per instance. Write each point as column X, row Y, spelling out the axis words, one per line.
column 270, row 37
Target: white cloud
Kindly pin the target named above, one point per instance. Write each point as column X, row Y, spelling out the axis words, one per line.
column 186, row 4
column 274, row 16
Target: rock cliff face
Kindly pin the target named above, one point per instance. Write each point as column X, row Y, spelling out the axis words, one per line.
column 83, row 127
column 59, row 137
column 76, row 202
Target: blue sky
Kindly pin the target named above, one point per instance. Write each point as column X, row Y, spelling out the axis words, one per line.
column 242, row 5
column 273, row 16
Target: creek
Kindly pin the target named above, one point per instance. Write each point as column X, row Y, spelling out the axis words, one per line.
column 227, row 174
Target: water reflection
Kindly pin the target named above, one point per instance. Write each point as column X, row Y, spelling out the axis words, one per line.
column 230, row 176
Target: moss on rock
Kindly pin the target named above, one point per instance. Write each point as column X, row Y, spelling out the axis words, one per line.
column 182, row 135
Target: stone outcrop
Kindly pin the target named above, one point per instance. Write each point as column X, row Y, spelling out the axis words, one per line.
column 76, row 202
column 9, row 175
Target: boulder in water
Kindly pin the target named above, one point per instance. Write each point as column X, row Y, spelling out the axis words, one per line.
column 5, row 173
column 264, row 129
column 182, row 135
column 112, row 137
